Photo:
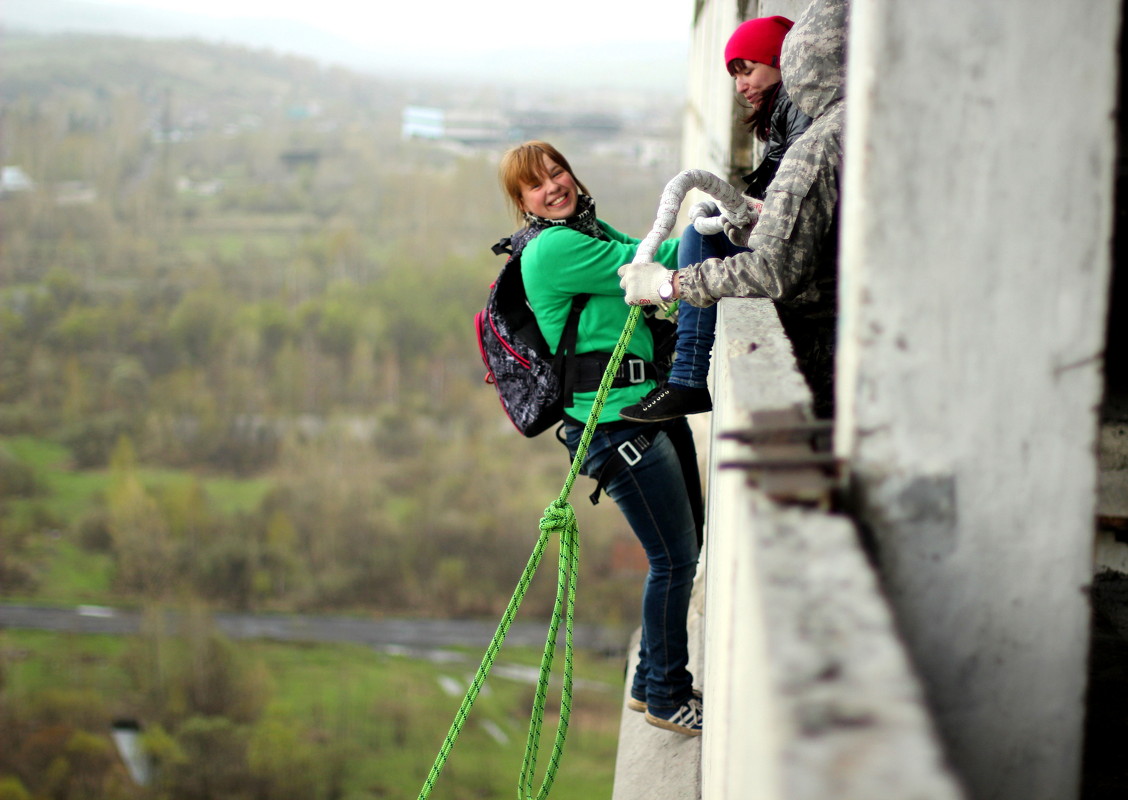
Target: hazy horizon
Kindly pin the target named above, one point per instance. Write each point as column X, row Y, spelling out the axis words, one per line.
column 510, row 45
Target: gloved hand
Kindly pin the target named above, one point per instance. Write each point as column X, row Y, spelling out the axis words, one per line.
column 641, row 282
column 738, row 234
column 705, row 217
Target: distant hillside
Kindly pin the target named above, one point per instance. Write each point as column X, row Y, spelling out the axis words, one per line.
column 37, row 65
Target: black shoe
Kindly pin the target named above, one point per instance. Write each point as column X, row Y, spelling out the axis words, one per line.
column 668, row 402
column 687, row 719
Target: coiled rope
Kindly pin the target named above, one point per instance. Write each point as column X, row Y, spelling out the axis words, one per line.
column 560, row 518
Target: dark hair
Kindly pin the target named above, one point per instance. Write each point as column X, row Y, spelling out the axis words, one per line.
column 759, row 121
column 524, row 164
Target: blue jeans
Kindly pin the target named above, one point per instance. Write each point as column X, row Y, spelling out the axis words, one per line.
column 696, row 325
column 653, row 497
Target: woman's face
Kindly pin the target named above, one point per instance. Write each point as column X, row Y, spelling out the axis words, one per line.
column 753, row 80
column 553, row 196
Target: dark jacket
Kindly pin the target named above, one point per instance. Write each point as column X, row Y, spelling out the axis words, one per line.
column 787, row 125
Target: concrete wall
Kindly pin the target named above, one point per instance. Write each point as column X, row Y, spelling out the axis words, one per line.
column 707, row 126
column 976, row 232
column 808, row 690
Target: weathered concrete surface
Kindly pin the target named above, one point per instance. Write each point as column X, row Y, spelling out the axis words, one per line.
column 971, row 331
column 856, row 722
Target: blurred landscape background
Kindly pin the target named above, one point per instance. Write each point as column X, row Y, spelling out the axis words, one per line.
column 238, row 372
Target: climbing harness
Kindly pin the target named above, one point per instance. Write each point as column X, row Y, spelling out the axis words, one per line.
column 560, row 518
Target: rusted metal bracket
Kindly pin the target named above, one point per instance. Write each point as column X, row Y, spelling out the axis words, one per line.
column 792, row 462
column 816, row 433
column 1117, row 525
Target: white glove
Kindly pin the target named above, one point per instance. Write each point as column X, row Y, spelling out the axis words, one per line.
column 705, row 217
column 641, row 282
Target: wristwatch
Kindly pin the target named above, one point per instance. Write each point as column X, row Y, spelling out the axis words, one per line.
column 666, row 290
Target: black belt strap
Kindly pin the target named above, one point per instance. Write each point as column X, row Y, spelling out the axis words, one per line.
column 632, row 370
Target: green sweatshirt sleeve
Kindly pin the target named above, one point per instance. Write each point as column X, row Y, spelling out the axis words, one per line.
column 561, row 263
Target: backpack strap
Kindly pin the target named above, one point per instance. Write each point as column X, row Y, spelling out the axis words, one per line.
column 564, row 361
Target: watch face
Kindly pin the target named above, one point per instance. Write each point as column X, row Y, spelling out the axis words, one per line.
column 666, row 290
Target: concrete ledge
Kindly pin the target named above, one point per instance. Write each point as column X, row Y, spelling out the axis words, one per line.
column 853, row 720
column 808, row 692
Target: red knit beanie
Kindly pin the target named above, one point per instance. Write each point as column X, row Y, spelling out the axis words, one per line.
column 758, row 40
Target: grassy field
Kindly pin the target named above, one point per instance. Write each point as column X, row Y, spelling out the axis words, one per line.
column 69, row 492
column 379, row 718
column 382, row 717
column 70, row 574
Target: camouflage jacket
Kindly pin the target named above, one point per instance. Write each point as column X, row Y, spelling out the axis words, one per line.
column 793, row 247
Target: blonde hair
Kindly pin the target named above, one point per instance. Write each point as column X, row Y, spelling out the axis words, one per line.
column 523, row 165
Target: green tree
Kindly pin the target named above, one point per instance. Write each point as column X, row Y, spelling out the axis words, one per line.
column 284, row 766
column 12, row 788
column 215, row 761
column 143, row 545
column 199, row 325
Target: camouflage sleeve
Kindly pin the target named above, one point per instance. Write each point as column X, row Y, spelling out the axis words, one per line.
column 787, row 241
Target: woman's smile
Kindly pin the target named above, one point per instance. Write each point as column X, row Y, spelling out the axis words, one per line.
column 558, row 201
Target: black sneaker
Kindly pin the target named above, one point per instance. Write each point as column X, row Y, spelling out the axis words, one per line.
column 686, row 719
column 669, row 401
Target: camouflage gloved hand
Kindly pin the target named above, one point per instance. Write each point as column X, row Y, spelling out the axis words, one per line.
column 641, row 282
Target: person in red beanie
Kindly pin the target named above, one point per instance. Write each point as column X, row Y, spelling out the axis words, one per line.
column 752, row 59
column 789, row 255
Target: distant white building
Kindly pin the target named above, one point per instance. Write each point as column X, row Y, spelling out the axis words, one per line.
column 422, row 122
column 13, row 179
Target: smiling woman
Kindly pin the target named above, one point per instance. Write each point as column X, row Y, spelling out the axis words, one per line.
column 648, row 469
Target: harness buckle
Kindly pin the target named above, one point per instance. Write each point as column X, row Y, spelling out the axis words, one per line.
column 636, row 370
column 628, row 459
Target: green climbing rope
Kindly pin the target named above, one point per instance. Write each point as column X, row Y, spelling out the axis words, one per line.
column 558, row 517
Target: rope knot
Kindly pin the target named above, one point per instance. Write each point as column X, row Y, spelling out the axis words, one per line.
column 559, row 516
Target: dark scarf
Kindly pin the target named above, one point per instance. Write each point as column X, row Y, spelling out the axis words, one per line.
column 583, row 220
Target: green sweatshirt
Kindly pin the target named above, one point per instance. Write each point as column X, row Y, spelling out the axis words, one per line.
column 560, row 263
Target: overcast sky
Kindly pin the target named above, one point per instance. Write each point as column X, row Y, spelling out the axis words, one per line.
column 576, row 42
column 462, row 26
